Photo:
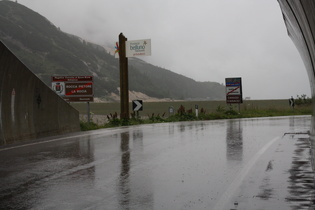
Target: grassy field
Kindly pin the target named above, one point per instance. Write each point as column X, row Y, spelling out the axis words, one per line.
column 150, row 108
column 158, row 112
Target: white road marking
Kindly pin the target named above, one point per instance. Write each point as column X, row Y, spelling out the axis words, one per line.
column 240, row 177
column 59, row 139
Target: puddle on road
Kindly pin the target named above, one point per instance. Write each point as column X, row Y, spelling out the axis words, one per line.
column 301, row 179
column 286, row 182
column 301, row 185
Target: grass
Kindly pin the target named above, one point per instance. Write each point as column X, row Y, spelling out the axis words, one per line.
column 163, row 107
column 158, row 112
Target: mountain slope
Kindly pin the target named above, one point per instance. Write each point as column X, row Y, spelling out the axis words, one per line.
column 48, row 51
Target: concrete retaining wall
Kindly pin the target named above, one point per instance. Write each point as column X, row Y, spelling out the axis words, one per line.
column 28, row 108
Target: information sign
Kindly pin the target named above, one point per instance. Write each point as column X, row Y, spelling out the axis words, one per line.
column 234, row 90
column 74, row 88
column 138, row 48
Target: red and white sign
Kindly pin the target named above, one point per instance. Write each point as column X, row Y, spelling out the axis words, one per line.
column 234, row 90
column 74, row 88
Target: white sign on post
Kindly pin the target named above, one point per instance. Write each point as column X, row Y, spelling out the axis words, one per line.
column 138, row 48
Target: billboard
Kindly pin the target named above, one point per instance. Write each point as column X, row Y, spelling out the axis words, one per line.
column 234, row 90
column 138, row 48
column 73, row 88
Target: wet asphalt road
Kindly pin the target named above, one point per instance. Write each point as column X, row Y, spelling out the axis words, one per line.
column 224, row 164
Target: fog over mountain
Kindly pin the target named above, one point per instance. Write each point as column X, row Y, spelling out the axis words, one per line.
column 203, row 40
column 48, row 51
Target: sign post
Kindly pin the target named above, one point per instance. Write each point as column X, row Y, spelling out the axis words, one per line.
column 124, row 86
column 196, row 109
column 88, row 112
column 128, row 49
column 171, row 110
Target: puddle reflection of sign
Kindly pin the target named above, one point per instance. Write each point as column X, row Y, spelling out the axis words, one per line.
column 74, row 88
column 234, row 90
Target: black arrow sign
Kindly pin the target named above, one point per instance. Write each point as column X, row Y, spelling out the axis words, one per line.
column 137, row 105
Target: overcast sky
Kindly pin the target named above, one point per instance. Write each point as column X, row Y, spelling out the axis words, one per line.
column 206, row 40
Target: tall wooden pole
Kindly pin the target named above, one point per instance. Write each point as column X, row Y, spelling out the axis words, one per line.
column 124, row 87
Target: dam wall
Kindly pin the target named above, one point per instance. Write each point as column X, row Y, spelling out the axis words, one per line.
column 29, row 109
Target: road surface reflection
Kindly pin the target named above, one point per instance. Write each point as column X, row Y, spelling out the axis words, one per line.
column 224, row 164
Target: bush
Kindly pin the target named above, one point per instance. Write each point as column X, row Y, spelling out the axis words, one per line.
column 302, row 100
column 85, row 126
column 156, row 118
column 114, row 122
column 231, row 112
column 220, row 109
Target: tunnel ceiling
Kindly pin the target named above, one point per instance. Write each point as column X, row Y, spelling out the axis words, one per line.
column 299, row 18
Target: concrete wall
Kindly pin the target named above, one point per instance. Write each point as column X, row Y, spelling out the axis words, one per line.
column 299, row 18
column 28, row 108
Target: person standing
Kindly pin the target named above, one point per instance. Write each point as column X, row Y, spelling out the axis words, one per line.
column 291, row 102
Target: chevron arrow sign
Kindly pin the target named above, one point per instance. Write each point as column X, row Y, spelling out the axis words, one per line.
column 137, row 105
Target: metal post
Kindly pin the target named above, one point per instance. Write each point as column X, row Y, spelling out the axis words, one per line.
column 88, row 112
column 170, row 110
column 124, row 89
column 196, row 108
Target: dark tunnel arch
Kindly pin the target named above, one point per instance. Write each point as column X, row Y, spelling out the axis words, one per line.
column 299, row 18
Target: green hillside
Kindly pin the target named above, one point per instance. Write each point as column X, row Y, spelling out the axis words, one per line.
column 48, row 51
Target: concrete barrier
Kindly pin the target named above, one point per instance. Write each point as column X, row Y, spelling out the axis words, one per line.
column 28, row 108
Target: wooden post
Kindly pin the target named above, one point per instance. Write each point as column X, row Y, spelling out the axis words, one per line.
column 124, row 89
